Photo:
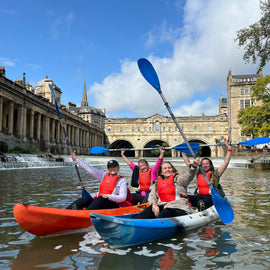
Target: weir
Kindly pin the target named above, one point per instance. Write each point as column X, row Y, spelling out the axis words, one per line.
column 24, row 161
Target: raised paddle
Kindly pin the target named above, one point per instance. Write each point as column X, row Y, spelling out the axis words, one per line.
column 181, row 147
column 84, row 192
column 222, row 206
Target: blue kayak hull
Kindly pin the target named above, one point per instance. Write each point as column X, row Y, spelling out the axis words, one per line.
column 123, row 231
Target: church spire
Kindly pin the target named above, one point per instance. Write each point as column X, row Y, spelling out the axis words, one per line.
column 84, row 102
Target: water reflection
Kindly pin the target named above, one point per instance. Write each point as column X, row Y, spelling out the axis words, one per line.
column 244, row 244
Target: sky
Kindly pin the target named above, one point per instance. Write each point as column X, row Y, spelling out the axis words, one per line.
column 191, row 44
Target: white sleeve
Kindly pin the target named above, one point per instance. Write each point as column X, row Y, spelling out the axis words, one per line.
column 97, row 174
column 120, row 193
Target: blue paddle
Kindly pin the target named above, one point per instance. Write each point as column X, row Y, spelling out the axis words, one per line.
column 222, row 206
column 84, row 192
column 181, row 147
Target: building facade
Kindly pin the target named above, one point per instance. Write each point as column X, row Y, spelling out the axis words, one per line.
column 92, row 115
column 158, row 129
column 28, row 119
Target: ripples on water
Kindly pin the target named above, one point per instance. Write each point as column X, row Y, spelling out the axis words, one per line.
column 243, row 244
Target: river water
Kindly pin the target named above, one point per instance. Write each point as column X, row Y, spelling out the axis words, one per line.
column 243, row 244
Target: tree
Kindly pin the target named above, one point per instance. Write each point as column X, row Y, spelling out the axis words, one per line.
column 255, row 120
column 256, row 37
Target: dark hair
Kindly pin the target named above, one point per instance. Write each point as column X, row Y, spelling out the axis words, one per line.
column 143, row 161
column 212, row 169
column 112, row 163
column 160, row 168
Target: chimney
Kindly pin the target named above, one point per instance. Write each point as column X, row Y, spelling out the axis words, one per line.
column 3, row 71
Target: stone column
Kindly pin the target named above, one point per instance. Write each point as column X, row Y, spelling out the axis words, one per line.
column 38, row 126
column 20, row 121
column 53, row 130
column 32, row 114
column 1, row 113
column 173, row 154
column 137, row 153
column 57, row 132
column 10, row 117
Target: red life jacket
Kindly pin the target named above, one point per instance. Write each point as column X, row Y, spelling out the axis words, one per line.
column 144, row 180
column 107, row 184
column 166, row 190
column 202, row 184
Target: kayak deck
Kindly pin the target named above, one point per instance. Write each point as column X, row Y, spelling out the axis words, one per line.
column 123, row 231
column 44, row 221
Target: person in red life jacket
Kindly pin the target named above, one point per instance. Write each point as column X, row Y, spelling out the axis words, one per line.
column 168, row 196
column 112, row 189
column 143, row 176
column 202, row 198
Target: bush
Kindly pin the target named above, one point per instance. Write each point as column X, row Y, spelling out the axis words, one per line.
column 3, row 147
column 20, row 150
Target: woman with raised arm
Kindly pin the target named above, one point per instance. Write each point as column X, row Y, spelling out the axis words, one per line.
column 168, row 196
column 112, row 189
column 143, row 176
column 202, row 197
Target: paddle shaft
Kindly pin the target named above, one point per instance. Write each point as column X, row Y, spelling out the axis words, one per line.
column 183, row 135
column 134, row 149
column 70, row 150
column 65, row 134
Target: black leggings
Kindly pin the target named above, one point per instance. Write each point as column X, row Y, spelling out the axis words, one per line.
column 147, row 213
column 207, row 199
column 91, row 204
column 139, row 198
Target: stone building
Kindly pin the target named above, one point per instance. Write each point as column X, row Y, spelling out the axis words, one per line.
column 92, row 115
column 158, row 129
column 239, row 96
column 28, row 119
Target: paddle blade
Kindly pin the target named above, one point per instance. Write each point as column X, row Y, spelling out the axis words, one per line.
column 149, row 73
column 184, row 148
column 256, row 141
column 222, row 206
column 55, row 101
column 98, row 150
column 85, row 193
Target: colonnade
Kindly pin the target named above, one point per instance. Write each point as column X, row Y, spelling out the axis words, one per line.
column 37, row 126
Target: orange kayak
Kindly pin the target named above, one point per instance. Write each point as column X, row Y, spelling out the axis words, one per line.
column 44, row 221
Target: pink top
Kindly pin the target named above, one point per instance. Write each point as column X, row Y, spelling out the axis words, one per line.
column 154, row 170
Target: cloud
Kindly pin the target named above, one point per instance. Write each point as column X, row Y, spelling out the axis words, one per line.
column 7, row 62
column 60, row 24
column 203, row 52
column 208, row 106
column 9, row 12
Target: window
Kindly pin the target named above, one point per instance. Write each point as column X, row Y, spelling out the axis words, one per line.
column 145, row 129
column 176, row 129
column 139, row 129
column 209, row 128
column 246, row 90
column 109, row 129
column 132, row 129
column 241, row 104
column 164, row 128
column 195, row 128
column 157, row 126
column 247, row 103
column 242, row 91
column 121, row 129
column 150, row 129
column 169, row 129
column 221, row 128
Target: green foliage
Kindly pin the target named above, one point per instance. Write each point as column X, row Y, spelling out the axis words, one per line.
column 255, row 39
column 3, row 147
column 255, row 120
column 21, row 150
